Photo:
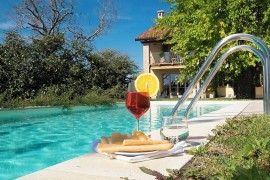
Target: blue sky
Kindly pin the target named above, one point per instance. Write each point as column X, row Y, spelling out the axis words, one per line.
column 135, row 17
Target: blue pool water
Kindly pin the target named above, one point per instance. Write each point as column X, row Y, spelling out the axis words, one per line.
column 32, row 139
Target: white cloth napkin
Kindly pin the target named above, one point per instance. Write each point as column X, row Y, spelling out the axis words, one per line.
column 178, row 148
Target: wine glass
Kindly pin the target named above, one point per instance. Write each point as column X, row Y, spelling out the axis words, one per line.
column 137, row 102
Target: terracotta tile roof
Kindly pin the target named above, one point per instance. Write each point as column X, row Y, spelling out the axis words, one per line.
column 151, row 34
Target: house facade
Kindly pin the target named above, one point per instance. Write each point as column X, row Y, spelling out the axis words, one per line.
column 159, row 60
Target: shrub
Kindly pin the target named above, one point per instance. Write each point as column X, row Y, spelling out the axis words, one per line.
column 94, row 99
column 65, row 99
column 239, row 149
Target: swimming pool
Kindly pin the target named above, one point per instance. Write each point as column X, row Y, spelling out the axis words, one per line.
column 32, row 139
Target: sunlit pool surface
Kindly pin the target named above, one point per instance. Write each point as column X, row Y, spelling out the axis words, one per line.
column 33, row 139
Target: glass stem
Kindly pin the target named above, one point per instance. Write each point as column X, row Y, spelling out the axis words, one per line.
column 137, row 119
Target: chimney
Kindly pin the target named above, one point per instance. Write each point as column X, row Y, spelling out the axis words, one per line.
column 160, row 14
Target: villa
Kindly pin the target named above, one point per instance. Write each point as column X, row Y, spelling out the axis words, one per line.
column 159, row 60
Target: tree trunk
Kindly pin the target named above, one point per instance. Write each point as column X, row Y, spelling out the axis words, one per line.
column 244, row 86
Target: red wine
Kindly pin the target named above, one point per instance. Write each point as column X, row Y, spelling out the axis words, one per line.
column 138, row 103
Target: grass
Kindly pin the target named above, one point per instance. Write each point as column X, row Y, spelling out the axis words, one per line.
column 64, row 100
column 240, row 149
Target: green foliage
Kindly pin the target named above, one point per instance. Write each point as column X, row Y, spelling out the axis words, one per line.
column 94, row 99
column 51, row 67
column 64, row 100
column 240, row 149
column 252, row 173
column 110, row 68
column 198, row 151
column 195, row 26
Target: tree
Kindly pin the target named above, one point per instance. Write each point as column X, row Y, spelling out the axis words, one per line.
column 14, row 78
column 111, row 70
column 197, row 25
column 55, row 16
column 46, row 66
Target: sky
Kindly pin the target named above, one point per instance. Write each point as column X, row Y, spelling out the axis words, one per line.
column 134, row 18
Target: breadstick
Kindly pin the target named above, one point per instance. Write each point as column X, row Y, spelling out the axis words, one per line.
column 142, row 148
column 133, row 142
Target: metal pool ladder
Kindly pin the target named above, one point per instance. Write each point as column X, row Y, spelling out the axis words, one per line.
column 263, row 53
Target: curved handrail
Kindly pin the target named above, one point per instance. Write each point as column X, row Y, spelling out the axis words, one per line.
column 209, row 78
column 235, row 37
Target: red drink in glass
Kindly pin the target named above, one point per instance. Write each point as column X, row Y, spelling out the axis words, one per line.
column 137, row 103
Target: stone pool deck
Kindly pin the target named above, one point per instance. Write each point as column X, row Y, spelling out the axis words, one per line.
column 99, row 167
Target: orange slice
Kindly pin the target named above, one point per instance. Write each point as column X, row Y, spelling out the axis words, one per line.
column 147, row 82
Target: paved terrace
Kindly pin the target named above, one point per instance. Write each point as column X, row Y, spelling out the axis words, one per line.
column 99, row 167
